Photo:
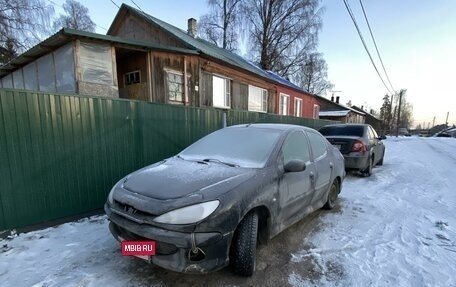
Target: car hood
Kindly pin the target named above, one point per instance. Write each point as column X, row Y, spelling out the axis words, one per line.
column 176, row 178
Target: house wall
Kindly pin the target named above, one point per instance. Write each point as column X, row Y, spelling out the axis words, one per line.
column 239, row 85
column 199, row 69
column 308, row 101
column 95, row 69
column 342, row 119
column 131, row 61
column 161, row 62
column 132, row 27
column 53, row 72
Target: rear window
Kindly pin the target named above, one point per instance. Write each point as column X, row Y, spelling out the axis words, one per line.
column 342, row 131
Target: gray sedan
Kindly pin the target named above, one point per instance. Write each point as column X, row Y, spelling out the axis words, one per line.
column 208, row 206
column 360, row 145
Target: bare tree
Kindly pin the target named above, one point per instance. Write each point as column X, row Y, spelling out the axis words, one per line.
column 76, row 17
column 220, row 25
column 23, row 23
column 7, row 52
column 312, row 75
column 282, row 32
column 406, row 111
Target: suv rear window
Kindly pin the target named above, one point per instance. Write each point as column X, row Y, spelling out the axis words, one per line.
column 342, row 131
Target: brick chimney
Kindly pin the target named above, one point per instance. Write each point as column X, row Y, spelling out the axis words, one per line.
column 337, row 99
column 192, row 29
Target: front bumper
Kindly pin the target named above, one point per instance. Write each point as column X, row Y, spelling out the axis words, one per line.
column 172, row 247
column 358, row 161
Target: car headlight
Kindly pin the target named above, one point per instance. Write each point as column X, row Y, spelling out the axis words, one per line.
column 110, row 196
column 189, row 214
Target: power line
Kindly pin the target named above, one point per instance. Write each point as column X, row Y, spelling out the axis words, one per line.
column 115, row 4
column 137, row 6
column 375, row 44
column 364, row 43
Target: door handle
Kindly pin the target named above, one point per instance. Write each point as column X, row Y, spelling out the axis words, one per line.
column 331, row 165
column 311, row 175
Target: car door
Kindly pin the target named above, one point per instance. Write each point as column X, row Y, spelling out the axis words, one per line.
column 323, row 163
column 295, row 188
column 377, row 145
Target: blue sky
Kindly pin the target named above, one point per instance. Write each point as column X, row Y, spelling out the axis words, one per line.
column 416, row 39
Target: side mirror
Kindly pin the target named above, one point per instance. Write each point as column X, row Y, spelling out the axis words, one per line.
column 295, row 165
column 382, row 137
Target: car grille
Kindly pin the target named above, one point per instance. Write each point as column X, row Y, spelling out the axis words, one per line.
column 128, row 209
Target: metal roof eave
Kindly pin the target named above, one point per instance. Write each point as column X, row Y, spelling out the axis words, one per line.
column 66, row 35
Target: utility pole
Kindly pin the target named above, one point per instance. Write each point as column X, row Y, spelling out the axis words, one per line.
column 446, row 121
column 433, row 122
column 390, row 118
column 399, row 112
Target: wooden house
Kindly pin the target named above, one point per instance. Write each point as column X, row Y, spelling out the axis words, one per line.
column 144, row 58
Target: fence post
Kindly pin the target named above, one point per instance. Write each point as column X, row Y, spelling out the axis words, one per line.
column 224, row 119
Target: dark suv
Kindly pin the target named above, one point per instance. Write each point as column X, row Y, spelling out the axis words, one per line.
column 359, row 144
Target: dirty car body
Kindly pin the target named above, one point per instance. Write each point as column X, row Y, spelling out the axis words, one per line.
column 192, row 205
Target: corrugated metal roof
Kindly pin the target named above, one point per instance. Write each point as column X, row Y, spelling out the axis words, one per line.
column 334, row 113
column 66, row 35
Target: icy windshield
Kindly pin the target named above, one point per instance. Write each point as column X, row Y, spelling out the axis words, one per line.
column 348, row 130
column 244, row 147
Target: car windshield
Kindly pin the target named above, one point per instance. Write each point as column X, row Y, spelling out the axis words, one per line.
column 245, row 147
column 348, row 130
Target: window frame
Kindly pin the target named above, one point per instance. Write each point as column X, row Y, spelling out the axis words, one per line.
column 285, row 142
column 300, row 101
column 264, row 99
column 316, row 111
column 129, row 74
column 226, row 94
column 324, row 144
column 177, row 73
column 281, row 97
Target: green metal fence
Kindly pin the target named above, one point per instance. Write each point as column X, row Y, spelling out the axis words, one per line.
column 61, row 154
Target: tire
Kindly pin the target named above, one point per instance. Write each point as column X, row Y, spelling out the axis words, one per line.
column 332, row 195
column 380, row 162
column 243, row 247
column 368, row 171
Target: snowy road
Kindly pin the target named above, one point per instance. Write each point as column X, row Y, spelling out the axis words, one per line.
column 396, row 228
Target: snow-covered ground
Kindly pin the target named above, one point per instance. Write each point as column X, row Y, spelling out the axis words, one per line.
column 395, row 228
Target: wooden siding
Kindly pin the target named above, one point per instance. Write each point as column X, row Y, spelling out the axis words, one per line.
column 130, row 61
column 131, row 27
column 161, row 62
column 240, row 96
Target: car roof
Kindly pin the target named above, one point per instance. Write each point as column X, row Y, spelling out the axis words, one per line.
column 282, row 127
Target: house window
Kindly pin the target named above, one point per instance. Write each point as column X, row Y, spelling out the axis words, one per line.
column 258, row 99
column 221, row 92
column 175, row 82
column 298, row 107
column 132, row 78
column 284, row 104
column 316, row 112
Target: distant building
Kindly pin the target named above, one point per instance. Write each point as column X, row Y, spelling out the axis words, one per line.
column 333, row 110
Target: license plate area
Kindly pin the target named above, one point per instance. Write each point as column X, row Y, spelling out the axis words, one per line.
column 140, row 249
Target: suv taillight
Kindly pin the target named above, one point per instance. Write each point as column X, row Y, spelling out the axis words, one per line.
column 359, row 146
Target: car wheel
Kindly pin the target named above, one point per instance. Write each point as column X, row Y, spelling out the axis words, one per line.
column 368, row 171
column 332, row 195
column 243, row 247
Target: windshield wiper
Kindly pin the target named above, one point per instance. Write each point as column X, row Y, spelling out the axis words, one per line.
column 219, row 161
